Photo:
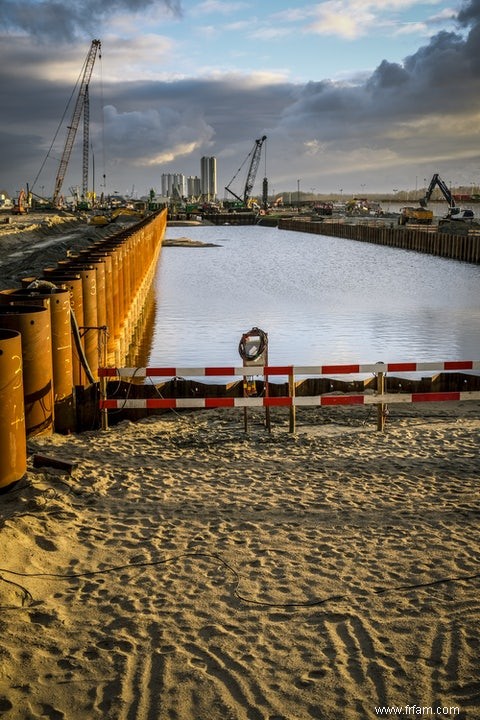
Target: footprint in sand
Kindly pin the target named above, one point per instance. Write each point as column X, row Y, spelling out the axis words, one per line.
column 45, row 544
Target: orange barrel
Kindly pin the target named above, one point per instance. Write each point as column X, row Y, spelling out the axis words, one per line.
column 33, row 324
column 73, row 283
column 89, row 329
column 124, row 281
column 13, row 440
column 88, row 259
column 105, row 307
column 115, row 251
column 99, row 264
column 58, row 302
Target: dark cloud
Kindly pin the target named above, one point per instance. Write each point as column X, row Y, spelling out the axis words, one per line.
column 404, row 119
column 388, row 75
column 403, row 111
column 58, row 21
column 469, row 14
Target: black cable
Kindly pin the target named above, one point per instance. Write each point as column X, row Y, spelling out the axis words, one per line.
column 217, row 558
column 26, row 595
column 129, row 389
column 79, row 347
column 242, row 350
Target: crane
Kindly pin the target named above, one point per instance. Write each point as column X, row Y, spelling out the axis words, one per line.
column 255, row 154
column 454, row 212
column 80, row 105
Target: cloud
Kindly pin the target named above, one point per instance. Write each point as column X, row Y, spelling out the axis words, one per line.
column 405, row 118
column 335, row 17
column 217, row 7
column 422, row 112
column 154, row 136
column 50, row 20
column 353, row 19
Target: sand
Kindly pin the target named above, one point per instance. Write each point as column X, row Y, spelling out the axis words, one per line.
column 186, row 570
column 29, row 243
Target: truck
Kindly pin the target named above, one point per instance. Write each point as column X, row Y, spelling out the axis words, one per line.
column 419, row 215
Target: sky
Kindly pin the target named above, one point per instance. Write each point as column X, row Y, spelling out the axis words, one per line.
column 354, row 96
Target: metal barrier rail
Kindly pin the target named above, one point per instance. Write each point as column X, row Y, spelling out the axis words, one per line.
column 380, row 399
column 286, row 401
column 267, row 370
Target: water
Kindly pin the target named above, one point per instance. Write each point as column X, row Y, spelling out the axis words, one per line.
column 320, row 299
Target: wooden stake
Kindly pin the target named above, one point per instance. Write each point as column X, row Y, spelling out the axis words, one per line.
column 381, row 406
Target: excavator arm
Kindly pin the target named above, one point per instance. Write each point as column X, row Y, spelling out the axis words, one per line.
column 437, row 180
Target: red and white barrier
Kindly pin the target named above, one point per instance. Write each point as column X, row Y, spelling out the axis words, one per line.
column 328, row 399
column 284, row 401
column 268, row 370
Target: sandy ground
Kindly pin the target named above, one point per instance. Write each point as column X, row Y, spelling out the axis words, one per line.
column 186, row 570
column 30, row 243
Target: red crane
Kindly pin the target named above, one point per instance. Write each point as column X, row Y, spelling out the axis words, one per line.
column 80, row 105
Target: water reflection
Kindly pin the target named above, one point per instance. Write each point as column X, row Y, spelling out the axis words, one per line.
column 320, row 299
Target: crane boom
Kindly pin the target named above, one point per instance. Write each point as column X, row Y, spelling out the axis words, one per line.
column 77, row 112
column 255, row 153
column 252, row 170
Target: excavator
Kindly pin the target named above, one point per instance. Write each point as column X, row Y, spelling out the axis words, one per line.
column 21, row 203
column 454, row 212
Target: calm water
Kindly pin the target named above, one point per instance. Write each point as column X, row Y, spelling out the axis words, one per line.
column 321, row 300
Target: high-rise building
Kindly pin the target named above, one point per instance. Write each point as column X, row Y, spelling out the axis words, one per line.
column 208, row 177
column 194, row 186
column 173, row 184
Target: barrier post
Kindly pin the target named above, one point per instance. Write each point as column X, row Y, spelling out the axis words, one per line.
column 253, row 349
column 291, row 392
column 104, row 381
column 268, row 423
column 381, row 407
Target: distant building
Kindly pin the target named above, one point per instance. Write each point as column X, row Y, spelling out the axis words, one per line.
column 208, row 177
column 194, row 186
column 173, row 184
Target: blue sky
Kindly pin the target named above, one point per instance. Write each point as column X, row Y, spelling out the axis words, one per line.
column 353, row 95
column 303, row 41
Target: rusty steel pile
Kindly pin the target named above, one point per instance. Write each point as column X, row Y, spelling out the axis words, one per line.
column 57, row 329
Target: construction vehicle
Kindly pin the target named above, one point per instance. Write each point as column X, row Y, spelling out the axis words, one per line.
column 416, row 215
column 454, row 212
column 81, row 105
column 105, row 217
column 246, row 201
column 20, row 205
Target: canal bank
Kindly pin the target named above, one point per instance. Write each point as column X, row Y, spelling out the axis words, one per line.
column 59, row 326
column 463, row 247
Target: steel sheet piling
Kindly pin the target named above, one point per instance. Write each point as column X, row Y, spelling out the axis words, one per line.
column 33, row 324
column 89, row 329
column 13, row 442
column 73, row 283
column 58, row 303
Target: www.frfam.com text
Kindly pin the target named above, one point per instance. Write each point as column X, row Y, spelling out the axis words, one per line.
column 427, row 710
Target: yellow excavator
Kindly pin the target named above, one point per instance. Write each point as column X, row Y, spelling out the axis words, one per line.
column 99, row 219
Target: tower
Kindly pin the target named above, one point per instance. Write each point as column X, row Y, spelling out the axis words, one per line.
column 208, row 177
